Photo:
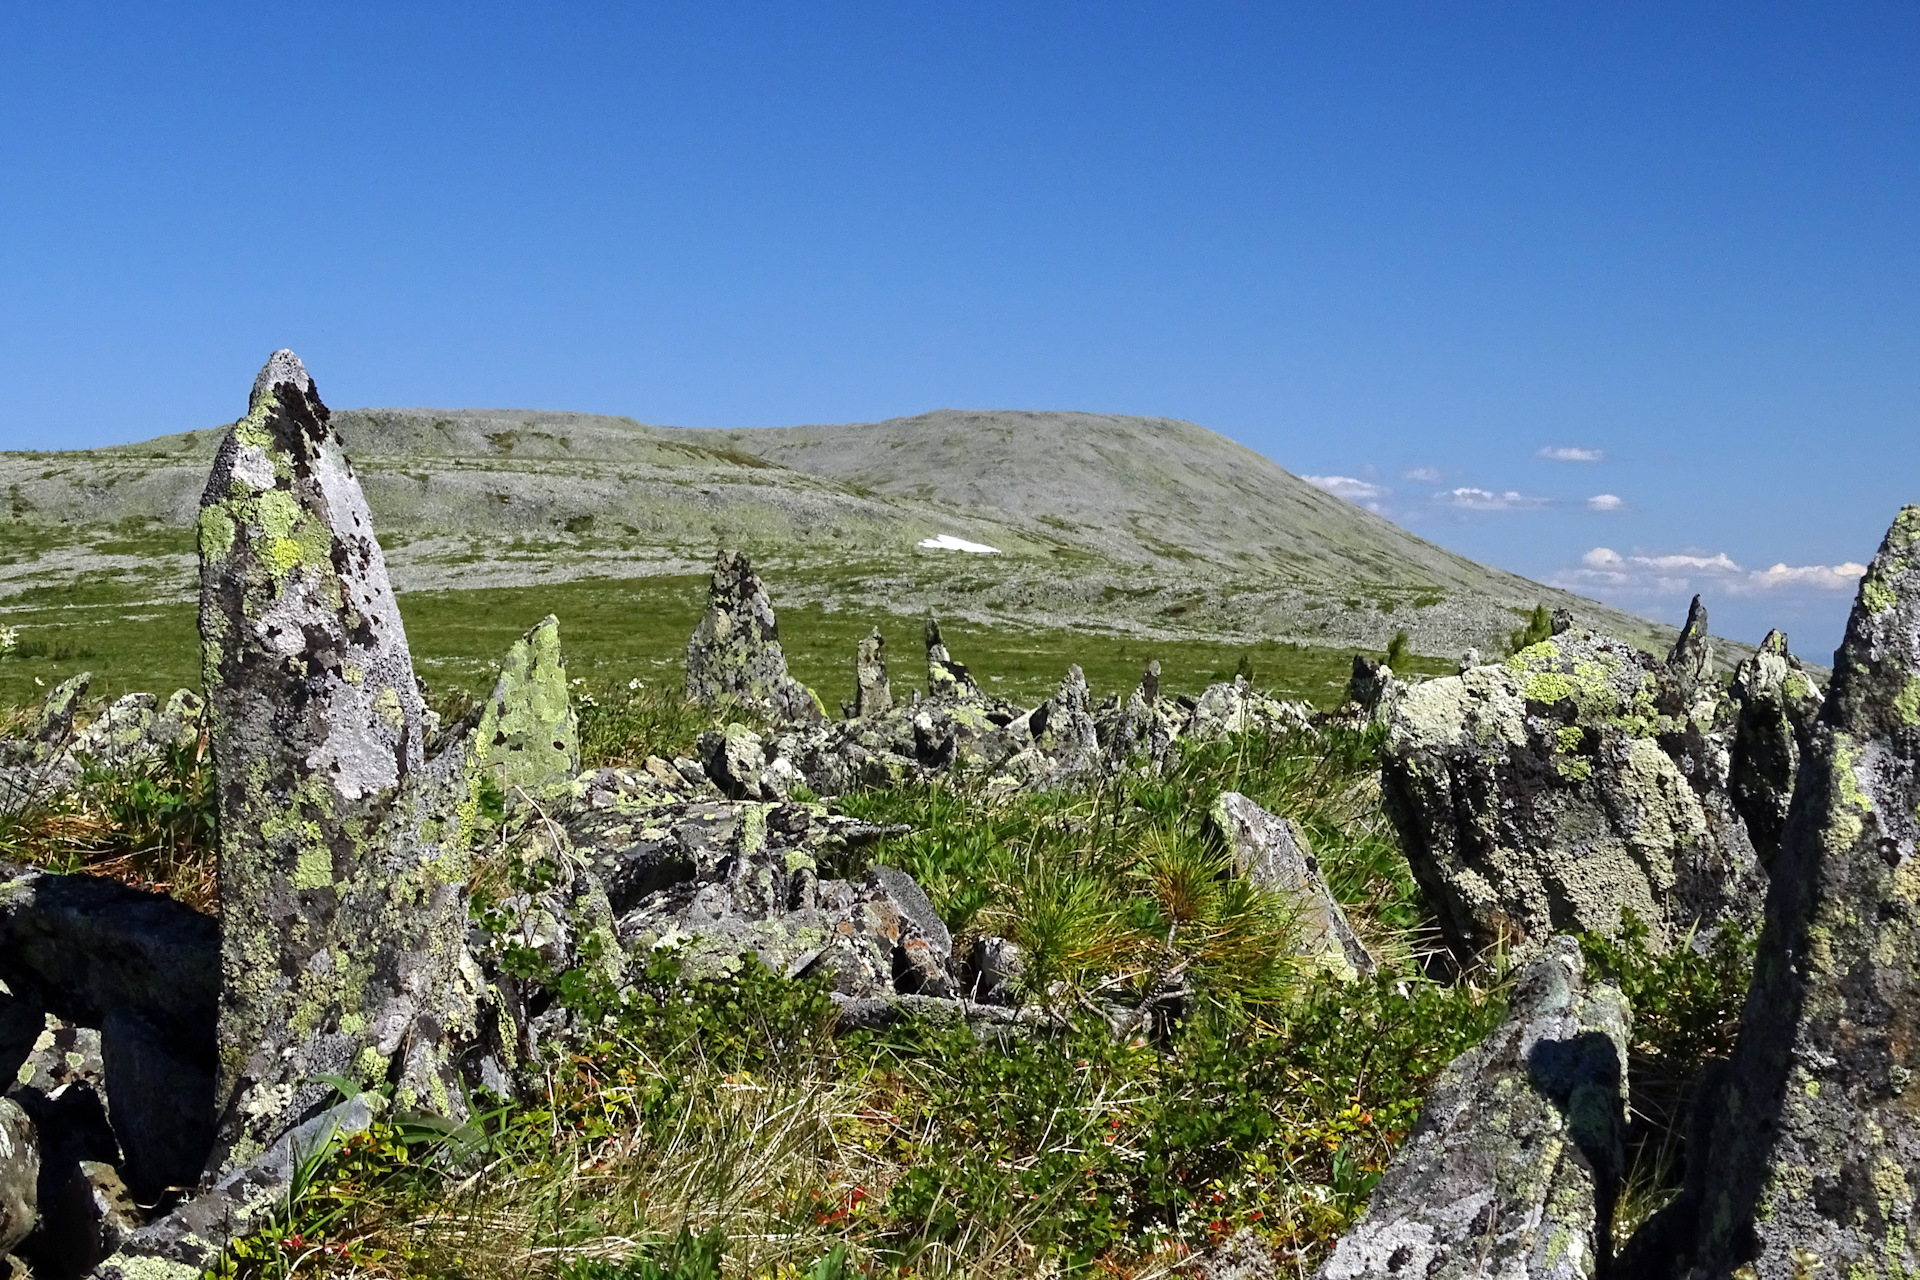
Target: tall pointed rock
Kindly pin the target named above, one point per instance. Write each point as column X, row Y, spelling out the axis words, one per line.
column 1815, row 1159
column 528, row 739
column 342, row 865
column 734, row 654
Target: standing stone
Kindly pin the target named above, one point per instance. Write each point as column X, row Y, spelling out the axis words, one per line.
column 1515, row 1163
column 734, row 654
column 1273, row 853
column 1775, row 704
column 1815, row 1159
column 1692, row 658
column 945, row 677
column 875, row 695
column 528, row 738
column 343, row 865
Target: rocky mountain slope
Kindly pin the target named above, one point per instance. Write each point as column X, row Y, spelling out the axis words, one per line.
column 1144, row 525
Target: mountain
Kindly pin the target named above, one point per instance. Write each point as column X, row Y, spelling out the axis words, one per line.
column 1152, row 526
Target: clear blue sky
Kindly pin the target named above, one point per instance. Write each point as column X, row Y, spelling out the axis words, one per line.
column 1400, row 247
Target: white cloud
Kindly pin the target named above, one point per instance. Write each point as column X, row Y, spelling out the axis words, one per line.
column 1567, row 453
column 1425, row 475
column 1604, row 569
column 1604, row 502
column 947, row 542
column 1819, row 577
column 1359, row 492
column 1487, row 500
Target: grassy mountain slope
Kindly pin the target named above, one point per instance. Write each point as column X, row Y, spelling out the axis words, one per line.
column 1146, row 528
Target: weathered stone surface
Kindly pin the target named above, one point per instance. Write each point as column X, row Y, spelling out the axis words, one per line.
column 1561, row 788
column 997, row 967
column 83, row 946
column 874, row 694
column 343, row 858
column 1691, row 660
column 184, row 1244
column 747, row 880
column 1774, row 704
column 1513, row 1167
column 528, row 738
column 945, row 677
column 1371, row 687
column 1274, row 854
column 91, row 1218
column 19, row 1175
column 734, row 655
column 1815, row 1158
column 900, row 911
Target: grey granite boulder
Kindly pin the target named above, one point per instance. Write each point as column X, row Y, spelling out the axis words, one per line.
column 1775, row 702
column 1562, row 788
column 343, row 862
column 1814, row 1165
column 1273, row 853
column 734, row 654
column 1514, row 1165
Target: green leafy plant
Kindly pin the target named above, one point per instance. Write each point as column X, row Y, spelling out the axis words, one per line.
column 1539, row 627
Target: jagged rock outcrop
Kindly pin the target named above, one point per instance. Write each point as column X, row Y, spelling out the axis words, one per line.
column 1774, row 704
column 1514, row 1165
column 734, row 655
column 343, row 860
column 1555, row 791
column 54, row 756
column 1274, row 854
column 945, row 677
column 1814, row 1166
column 528, row 737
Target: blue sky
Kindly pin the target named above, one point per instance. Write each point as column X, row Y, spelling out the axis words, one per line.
column 1404, row 248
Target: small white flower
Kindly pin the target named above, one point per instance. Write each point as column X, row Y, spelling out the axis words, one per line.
column 9, row 637
column 633, row 684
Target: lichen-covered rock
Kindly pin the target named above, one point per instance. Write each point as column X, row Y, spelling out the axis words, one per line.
column 1815, row 1158
column 1514, row 1165
column 1560, row 789
column 1774, row 704
column 184, row 1244
column 528, row 738
column 39, row 766
column 734, row 655
column 19, row 1175
column 343, row 854
column 898, row 910
column 945, row 677
column 1691, row 659
column 873, row 694
column 1371, row 687
column 1273, row 853
column 93, row 1214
